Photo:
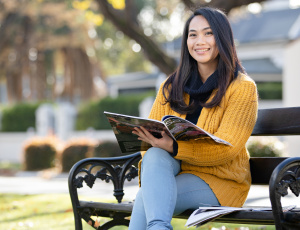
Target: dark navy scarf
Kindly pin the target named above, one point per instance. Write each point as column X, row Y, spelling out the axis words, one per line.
column 199, row 92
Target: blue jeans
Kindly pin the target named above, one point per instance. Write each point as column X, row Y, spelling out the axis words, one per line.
column 164, row 193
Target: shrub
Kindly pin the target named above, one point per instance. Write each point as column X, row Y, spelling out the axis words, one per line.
column 75, row 150
column 270, row 90
column 19, row 117
column 107, row 149
column 91, row 115
column 39, row 153
column 265, row 147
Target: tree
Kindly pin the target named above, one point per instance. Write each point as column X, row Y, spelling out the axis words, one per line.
column 41, row 37
column 32, row 35
column 125, row 18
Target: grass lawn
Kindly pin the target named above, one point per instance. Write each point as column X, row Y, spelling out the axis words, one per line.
column 54, row 211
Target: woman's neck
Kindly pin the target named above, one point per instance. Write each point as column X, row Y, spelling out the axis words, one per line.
column 205, row 73
column 205, row 70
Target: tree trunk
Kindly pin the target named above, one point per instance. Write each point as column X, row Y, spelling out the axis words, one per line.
column 78, row 74
column 40, row 77
column 17, row 56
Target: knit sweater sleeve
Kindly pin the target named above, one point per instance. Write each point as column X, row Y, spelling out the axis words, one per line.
column 234, row 121
column 159, row 108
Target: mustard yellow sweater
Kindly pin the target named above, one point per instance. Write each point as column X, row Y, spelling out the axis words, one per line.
column 225, row 168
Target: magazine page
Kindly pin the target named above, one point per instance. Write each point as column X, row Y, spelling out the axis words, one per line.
column 202, row 215
column 183, row 130
column 123, row 125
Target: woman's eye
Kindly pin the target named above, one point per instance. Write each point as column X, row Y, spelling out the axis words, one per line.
column 192, row 35
column 209, row 33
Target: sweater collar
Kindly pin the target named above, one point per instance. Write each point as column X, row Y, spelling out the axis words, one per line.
column 195, row 87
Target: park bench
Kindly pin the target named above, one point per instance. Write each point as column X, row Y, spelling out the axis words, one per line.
column 282, row 174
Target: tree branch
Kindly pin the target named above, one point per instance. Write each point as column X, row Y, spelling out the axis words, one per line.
column 221, row 4
column 152, row 50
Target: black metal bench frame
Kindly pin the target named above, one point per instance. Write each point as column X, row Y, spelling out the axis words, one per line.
column 281, row 174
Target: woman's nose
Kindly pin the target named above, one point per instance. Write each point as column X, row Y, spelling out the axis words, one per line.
column 200, row 40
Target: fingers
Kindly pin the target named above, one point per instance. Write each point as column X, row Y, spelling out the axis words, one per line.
column 141, row 130
column 145, row 135
column 142, row 133
column 166, row 142
column 145, row 131
column 138, row 131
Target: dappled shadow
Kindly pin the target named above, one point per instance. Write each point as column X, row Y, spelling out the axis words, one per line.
column 35, row 215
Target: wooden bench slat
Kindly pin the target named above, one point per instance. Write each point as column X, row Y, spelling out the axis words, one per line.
column 277, row 122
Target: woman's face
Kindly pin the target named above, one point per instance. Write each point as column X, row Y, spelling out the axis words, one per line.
column 201, row 43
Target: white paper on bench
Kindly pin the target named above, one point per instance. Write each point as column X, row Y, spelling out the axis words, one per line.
column 203, row 215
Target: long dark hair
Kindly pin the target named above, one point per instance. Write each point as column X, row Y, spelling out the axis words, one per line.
column 227, row 65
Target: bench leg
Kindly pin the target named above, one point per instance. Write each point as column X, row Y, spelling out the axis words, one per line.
column 77, row 220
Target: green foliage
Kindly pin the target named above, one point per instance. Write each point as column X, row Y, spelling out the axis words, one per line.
column 116, row 52
column 19, row 117
column 38, row 154
column 108, row 149
column 270, row 90
column 265, row 147
column 75, row 151
column 91, row 114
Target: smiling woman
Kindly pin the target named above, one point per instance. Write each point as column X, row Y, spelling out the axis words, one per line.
column 210, row 89
column 202, row 46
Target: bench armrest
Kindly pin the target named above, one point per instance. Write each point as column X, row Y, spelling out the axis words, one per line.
column 114, row 169
column 285, row 175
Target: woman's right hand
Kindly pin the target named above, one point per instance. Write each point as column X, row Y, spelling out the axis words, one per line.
column 165, row 142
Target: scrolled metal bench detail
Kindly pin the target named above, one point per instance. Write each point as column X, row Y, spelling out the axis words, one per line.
column 285, row 176
column 115, row 170
column 293, row 184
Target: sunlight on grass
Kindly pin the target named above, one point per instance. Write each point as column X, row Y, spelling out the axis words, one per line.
column 54, row 211
column 47, row 211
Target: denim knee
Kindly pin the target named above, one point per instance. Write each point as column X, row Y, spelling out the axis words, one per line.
column 157, row 156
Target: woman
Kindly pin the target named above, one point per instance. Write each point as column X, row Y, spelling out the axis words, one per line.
column 210, row 89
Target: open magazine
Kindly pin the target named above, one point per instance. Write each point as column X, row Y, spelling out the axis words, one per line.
column 203, row 215
column 176, row 127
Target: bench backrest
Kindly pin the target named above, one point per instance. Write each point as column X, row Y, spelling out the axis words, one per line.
column 272, row 122
column 277, row 122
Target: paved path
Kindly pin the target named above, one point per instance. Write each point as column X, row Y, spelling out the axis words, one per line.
column 32, row 183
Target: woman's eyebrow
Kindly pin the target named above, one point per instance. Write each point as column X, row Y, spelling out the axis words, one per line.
column 206, row 28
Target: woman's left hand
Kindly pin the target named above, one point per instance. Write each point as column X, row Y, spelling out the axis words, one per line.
column 165, row 142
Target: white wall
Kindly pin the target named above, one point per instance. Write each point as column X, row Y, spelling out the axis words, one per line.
column 291, row 88
column 272, row 50
column 11, row 146
column 291, row 75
